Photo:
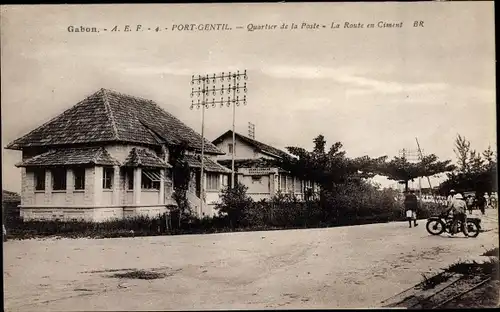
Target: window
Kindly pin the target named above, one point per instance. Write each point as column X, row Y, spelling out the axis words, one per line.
column 213, row 182
column 282, row 186
column 79, row 175
column 130, row 178
column 230, row 148
column 39, row 176
column 151, row 179
column 107, row 178
column 58, row 179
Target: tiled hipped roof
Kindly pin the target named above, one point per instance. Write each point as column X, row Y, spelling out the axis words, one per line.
column 262, row 147
column 144, row 158
column 71, row 156
column 109, row 116
column 208, row 165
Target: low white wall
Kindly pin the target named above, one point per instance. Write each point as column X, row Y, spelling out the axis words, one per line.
column 100, row 214
column 129, row 198
column 62, row 214
column 105, row 214
column 106, row 198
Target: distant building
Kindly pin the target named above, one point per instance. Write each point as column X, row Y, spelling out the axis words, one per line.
column 109, row 157
column 10, row 206
column 255, row 171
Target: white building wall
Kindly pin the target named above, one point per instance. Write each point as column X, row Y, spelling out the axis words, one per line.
column 94, row 203
column 243, row 150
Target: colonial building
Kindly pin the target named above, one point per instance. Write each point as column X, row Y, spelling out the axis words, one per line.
column 255, row 169
column 109, row 156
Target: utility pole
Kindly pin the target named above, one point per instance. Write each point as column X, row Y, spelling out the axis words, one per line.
column 213, row 92
column 202, row 91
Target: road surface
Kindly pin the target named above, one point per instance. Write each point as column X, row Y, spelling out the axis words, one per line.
column 344, row 267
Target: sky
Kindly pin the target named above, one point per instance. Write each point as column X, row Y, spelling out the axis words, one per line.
column 374, row 90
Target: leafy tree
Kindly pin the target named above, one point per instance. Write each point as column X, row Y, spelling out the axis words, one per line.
column 181, row 176
column 328, row 168
column 462, row 150
column 401, row 170
column 475, row 171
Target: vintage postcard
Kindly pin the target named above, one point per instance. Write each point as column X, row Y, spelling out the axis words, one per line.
column 249, row 156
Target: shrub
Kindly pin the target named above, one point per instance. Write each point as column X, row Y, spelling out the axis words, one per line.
column 357, row 202
column 428, row 209
column 235, row 204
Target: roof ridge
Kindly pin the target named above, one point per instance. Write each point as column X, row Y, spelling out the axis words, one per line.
column 94, row 159
column 138, row 156
column 110, row 113
column 156, row 135
column 53, row 118
column 259, row 142
column 175, row 118
column 127, row 95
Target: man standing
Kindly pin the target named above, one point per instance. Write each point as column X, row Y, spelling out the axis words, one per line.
column 481, row 202
column 494, row 200
column 411, row 205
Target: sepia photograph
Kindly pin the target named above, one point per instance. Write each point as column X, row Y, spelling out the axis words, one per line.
column 250, row 156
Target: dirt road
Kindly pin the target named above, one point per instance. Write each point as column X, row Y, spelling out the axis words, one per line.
column 347, row 267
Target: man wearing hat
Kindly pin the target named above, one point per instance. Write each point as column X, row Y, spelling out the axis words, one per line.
column 449, row 199
column 458, row 206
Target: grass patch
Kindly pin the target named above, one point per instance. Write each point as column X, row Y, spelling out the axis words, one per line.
column 140, row 274
column 110, row 270
column 491, row 252
column 487, row 268
column 432, row 282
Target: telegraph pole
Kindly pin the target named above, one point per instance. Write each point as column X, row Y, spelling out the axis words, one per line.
column 212, row 90
column 201, row 91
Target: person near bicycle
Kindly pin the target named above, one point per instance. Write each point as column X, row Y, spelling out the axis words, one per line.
column 458, row 206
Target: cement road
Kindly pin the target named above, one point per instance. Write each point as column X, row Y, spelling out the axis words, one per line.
column 344, row 267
